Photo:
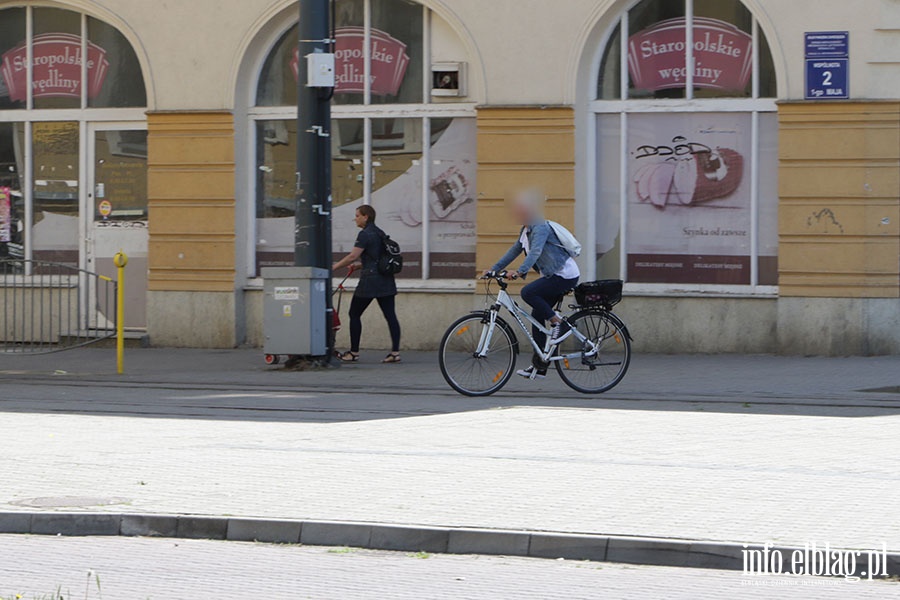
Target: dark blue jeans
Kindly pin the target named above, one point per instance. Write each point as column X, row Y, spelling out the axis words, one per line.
column 541, row 295
column 388, row 308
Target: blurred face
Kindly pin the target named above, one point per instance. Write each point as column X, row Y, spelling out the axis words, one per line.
column 522, row 212
column 360, row 220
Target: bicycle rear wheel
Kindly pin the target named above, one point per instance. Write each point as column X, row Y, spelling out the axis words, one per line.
column 464, row 370
column 590, row 372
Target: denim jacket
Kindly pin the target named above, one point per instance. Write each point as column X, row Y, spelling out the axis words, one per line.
column 546, row 253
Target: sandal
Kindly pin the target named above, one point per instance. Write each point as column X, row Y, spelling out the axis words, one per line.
column 393, row 357
column 348, row 356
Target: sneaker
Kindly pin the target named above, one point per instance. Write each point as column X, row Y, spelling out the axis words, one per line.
column 529, row 373
column 560, row 332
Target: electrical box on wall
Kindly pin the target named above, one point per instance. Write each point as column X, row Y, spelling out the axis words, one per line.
column 449, row 79
column 321, row 70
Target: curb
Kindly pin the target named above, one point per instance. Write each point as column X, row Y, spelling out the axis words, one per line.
column 664, row 552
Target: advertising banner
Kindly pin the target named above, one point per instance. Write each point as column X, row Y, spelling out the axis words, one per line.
column 723, row 56
column 689, row 205
column 57, row 64
column 453, row 210
column 389, row 62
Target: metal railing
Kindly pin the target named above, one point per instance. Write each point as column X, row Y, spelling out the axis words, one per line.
column 49, row 307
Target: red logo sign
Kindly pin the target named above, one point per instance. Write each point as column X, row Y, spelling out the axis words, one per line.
column 723, row 56
column 5, row 216
column 389, row 62
column 57, row 59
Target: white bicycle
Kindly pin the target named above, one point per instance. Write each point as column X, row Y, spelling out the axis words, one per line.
column 478, row 352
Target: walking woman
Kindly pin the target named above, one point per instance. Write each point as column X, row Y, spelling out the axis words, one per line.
column 373, row 285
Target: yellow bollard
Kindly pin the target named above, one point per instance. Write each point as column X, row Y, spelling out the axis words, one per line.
column 120, row 260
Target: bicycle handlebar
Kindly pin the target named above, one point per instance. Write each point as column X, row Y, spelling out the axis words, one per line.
column 501, row 277
column 497, row 275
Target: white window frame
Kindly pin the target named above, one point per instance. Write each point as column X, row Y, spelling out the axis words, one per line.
column 624, row 107
column 366, row 111
column 82, row 115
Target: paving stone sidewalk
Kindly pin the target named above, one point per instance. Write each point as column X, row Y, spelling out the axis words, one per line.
column 707, row 476
column 130, row 569
column 683, row 450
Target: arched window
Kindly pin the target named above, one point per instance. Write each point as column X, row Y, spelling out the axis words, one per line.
column 399, row 142
column 65, row 77
column 685, row 174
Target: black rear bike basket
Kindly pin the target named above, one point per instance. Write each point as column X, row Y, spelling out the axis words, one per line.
column 606, row 293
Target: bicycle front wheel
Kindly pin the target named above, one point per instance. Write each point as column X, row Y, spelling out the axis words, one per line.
column 599, row 364
column 463, row 368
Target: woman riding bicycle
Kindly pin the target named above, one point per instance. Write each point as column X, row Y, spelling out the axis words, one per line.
column 545, row 254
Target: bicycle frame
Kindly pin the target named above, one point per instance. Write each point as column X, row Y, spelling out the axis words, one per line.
column 504, row 300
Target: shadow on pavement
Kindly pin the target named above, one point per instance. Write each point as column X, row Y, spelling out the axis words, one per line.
column 236, row 384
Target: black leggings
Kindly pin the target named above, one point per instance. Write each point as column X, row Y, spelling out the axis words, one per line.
column 388, row 307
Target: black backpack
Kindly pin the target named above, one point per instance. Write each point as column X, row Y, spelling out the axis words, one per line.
column 390, row 261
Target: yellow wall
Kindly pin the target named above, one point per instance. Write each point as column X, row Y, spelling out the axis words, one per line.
column 192, row 206
column 840, row 199
column 522, row 146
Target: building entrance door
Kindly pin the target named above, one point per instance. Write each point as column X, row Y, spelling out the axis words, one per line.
column 117, row 210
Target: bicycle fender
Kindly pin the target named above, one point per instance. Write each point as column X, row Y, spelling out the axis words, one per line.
column 505, row 326
column 622, row 326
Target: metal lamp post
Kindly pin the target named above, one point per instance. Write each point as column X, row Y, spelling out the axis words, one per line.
column 312, row 232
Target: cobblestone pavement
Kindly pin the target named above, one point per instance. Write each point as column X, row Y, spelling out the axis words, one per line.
column 138, row 569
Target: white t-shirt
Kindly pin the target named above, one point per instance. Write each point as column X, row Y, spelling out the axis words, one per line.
column 569, row 270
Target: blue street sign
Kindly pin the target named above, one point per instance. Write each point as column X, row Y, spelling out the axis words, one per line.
column 828, row 44
column 827, row 65
column 828, row 79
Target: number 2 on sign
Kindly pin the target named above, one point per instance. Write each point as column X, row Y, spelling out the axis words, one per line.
column 826, row 78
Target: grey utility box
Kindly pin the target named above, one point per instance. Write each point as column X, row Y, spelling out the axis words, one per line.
column 295, row 321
